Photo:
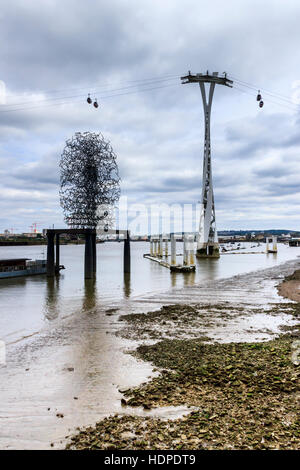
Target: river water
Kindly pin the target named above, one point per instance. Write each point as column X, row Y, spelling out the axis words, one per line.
column 30, row 303
column 61, row 354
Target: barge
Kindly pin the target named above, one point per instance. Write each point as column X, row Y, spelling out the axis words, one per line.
column 17, row 267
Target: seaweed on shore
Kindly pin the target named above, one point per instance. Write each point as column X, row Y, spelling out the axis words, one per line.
column 293, row 277
column 245, row 394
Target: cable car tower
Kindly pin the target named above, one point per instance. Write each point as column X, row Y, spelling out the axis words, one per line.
column 207, row 245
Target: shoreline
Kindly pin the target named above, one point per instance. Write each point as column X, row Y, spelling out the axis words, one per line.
column 245, row 393
column 290, row 287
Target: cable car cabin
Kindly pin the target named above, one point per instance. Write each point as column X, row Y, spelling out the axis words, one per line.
column 258, row 98
column 96, row 104
column 261, row 103
column 89, row 99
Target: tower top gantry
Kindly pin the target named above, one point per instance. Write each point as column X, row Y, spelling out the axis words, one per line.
column 207, row 78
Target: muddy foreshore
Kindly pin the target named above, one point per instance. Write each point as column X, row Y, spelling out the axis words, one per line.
column 241, row 395
column 290, row 287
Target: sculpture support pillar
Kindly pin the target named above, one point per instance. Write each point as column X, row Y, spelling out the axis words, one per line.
column 127, row 253
column 88, row 256
column 50, row 255
column 57, row 257
column 94, row 246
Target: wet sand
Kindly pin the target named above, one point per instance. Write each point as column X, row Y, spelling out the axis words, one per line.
column 290, row 287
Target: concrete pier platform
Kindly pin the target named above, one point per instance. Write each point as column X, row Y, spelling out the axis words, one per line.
column 173, row 267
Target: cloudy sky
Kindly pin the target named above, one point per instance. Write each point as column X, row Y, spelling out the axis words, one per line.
column 130, row 55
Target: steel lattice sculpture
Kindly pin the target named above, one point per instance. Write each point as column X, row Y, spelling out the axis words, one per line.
column 89, row 179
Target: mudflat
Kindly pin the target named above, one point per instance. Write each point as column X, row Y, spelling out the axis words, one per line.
column 290, row 287
column 241, row 395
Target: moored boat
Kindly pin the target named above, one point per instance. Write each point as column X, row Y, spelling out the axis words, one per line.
column 17, row 267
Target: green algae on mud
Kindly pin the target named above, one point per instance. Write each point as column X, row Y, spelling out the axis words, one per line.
column 246, row 396
column 290, row 287
column 243, row 395
column 295, row 276
column 173, row 321
column 182, row 321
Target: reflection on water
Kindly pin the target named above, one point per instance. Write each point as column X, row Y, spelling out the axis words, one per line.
column 211, row 267
column 126, row 285
column 51, row 311
column 187, row 278
column 90, row 294
column 173, row 278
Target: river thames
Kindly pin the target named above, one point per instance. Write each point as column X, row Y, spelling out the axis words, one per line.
column 30, row 303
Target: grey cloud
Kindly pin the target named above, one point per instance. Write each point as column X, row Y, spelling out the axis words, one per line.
column 274, row 171
column 280, row 189
column 158, row 135
column 66, row 42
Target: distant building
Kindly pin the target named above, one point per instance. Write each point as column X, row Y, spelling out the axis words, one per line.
column 294, row 242
column 8, row 234
column 31, row 235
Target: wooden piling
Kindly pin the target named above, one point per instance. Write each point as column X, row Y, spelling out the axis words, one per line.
column 160, row 246
column 173, row 250
column 166, row 247
column 185, row 251
column 274, row 241
column 192, row 253
column 155, row 247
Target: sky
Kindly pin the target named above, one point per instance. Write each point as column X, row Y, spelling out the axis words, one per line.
column 130, row 56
